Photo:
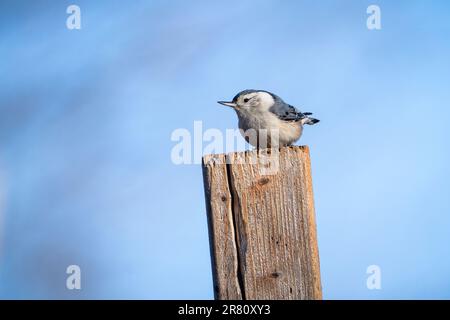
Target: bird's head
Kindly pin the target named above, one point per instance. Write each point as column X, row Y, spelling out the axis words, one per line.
column 251, row 100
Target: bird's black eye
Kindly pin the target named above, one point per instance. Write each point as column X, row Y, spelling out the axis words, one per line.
column 246, row 100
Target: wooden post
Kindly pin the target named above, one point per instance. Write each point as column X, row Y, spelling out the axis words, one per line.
column 261, row 225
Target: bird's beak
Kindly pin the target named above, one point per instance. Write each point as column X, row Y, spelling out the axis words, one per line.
column 228, row 104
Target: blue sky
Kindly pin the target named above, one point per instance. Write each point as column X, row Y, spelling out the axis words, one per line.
column 86, row 118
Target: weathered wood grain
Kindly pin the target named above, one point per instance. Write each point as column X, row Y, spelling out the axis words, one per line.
column 262, row 225
column 221, row 229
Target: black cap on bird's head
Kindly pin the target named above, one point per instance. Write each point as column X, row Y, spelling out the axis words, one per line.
column 249, row 92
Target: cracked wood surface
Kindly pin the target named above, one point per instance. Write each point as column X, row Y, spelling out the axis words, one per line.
column 262, row 227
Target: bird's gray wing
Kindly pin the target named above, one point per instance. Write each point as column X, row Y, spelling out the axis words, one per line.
column 286, row 112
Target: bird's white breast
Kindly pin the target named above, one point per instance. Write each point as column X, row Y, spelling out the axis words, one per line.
column 259, row 120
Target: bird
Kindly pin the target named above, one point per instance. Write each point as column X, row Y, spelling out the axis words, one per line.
column 266, row 121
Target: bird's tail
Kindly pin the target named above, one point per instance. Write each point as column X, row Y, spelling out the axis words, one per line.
column 309, row 120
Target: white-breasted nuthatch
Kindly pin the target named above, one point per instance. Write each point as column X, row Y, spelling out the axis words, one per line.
column 265, row 120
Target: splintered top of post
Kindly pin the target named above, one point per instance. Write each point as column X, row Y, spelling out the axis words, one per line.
column 248, row 156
